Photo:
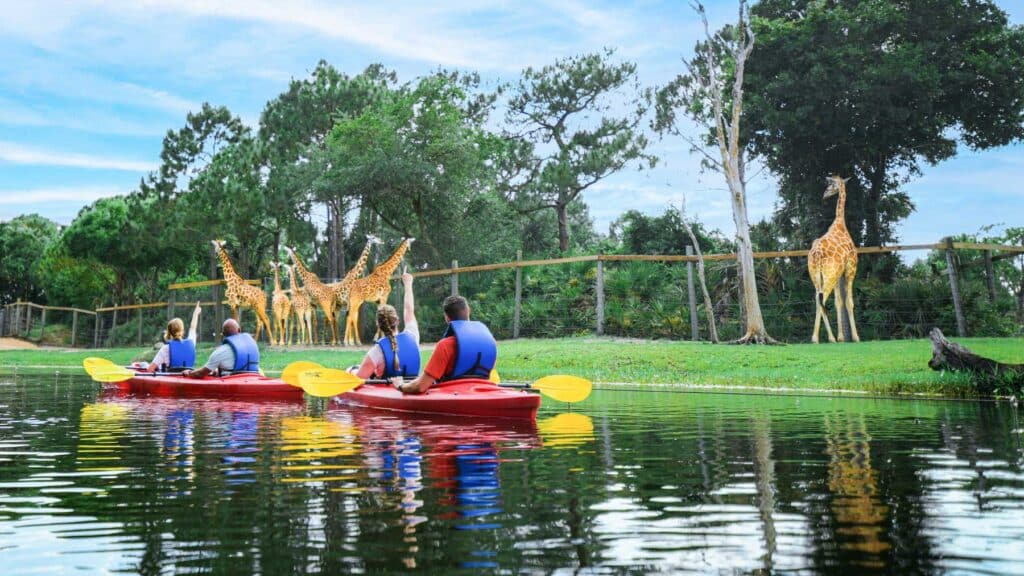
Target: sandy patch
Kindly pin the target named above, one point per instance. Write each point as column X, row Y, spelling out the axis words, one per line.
column 16, row 344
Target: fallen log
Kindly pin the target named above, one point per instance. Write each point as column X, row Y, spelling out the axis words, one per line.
column 989, row 376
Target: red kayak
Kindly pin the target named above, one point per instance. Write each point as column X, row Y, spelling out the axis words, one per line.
column 469, row 397
column 253, row 386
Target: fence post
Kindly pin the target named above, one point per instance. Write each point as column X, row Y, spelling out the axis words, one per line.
column 113, row 326
column 96, row 330
column 519, row 295
column 215, row 289
column 600, row 295
column 990, row 276
column 954, row 288
column 140, row 326
column 74, row 326
column 42, row 328
column 694, row 328
column 455, row 278
column 27, row 331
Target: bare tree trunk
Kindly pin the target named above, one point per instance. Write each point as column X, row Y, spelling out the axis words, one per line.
column 709, row 309
column 562, row 210
column 988, row 374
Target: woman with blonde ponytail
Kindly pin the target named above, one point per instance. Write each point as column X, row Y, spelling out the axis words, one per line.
column 177, row 353
column 397, row 354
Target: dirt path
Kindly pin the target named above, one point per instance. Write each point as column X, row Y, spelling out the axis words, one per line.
column 15, row 344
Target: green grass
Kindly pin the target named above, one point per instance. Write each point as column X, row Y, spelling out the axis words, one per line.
column 889, row 367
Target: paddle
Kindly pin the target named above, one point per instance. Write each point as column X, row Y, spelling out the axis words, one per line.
column 559, row 387
column 292, row 371
column 103, row 370
column 327, row 382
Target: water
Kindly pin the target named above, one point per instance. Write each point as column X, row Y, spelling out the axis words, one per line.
column 632, row 482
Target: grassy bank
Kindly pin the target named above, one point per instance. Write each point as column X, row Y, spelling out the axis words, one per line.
column 875, row 367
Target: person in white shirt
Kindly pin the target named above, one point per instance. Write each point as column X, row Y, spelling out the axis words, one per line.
column 397, row 354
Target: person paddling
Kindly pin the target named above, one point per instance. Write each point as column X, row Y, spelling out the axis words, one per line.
column 238, row 353
column 177, row 353
column 466, row 350
column 397, row 354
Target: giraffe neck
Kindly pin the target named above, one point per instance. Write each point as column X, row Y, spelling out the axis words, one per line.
column 225, row 262
column 360, row 265
column 296, row 291
column 308, row 278
column 841, row 207
column 391, row 263
column 277, row 280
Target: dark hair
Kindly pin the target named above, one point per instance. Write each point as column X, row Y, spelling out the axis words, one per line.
column 456, row 308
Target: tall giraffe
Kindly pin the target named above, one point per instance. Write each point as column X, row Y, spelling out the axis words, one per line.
column 321, row 295
column 833, row 258
column 302, row 309
column 374, row 287
column 240, row 294
column 281, row 306
column 342, row 287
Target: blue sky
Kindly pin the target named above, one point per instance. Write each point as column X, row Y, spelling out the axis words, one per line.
column 87, row 90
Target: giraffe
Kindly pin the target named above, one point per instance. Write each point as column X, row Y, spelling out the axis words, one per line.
column 281, row 307
column 238, row 293
column 341, row 288
column 302, row 309
column 833, row 259
column 320, row 294
column 374, row 287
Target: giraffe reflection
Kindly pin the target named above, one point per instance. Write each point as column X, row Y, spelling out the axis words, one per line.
column 859, row 512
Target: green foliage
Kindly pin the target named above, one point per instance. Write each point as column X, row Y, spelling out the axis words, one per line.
column 22, row 240
column 552, row 107
column 869, row 90
column 77, row 282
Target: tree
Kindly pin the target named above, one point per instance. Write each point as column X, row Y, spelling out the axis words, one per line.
column 420, row 161
column 294, row 127
column 23, row 240
column 704, row 94
column 872, row 89
column 102, row 233
column 552, row 106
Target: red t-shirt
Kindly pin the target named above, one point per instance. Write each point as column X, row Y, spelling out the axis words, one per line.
column 442, row 360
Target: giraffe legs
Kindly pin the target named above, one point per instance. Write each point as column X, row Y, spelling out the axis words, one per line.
column 820, row 297
column 261, row 321
column 849, row 302
column 352, row 323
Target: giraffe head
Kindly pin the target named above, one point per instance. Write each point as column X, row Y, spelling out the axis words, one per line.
column 835, row 186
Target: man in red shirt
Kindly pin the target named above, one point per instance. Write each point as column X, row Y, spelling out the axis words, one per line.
column 445, row 358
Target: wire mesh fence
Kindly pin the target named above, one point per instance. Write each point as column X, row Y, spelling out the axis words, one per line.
column 631, row 296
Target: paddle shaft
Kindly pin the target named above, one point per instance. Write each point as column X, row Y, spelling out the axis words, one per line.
column 517, row 386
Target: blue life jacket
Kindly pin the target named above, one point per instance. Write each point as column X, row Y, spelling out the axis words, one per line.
column 182, row 354
column 408, row 356
column 247, row 353
column 475, row 350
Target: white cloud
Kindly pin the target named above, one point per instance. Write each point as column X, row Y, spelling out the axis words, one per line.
column 16, row 153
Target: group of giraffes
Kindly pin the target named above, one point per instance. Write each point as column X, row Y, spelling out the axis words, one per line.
column 294, row 309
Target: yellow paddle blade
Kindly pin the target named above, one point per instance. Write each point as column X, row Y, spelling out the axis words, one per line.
column 494, row 377
column 94, row 363
column 112, row 374
column 103, row 370
column 292, row 371
column 326, row 382
column 564, row 388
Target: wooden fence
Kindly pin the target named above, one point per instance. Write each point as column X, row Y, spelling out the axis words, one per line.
column 17, row 318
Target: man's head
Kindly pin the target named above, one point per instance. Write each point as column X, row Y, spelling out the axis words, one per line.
column 230, row 327
column 456, row 308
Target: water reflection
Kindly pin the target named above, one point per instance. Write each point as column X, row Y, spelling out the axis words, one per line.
column 643, row 482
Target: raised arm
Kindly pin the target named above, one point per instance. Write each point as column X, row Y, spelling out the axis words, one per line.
column 409, row 308
column 194, row 326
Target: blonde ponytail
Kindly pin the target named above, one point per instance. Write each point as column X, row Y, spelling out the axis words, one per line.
column 175, row 330
column 387, row 323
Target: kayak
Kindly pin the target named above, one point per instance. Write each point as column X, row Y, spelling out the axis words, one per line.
column 252, row 386
column 468, row 397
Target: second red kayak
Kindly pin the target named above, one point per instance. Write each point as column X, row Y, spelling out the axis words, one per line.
column 234, row 386
column 469, row 397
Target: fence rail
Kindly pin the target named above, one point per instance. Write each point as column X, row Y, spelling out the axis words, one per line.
column 25, row 319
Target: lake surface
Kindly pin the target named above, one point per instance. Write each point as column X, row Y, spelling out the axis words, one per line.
column 629, row 482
